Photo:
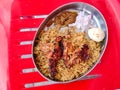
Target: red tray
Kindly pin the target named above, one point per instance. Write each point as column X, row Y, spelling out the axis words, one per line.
column 25, row 19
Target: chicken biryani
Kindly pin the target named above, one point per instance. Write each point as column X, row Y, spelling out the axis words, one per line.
column 64, row 51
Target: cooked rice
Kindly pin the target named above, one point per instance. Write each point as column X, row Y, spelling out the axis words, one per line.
column 78, row 39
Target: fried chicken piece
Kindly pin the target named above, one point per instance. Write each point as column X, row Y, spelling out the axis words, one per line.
column 77, row 56
column 68, row 61
column 84, row 53
column 55, row 56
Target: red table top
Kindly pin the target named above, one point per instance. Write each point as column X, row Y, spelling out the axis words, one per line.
column 109, row 68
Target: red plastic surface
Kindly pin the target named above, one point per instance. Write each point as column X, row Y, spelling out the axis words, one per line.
column 108, row 68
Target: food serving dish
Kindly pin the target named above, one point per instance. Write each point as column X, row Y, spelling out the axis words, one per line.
column 83, row 11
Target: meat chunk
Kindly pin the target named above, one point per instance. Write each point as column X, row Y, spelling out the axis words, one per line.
column 77, row 56
column 68, row 61
column 55, row 56
column 84, row 53
column 65, row 18
column 65, row 54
